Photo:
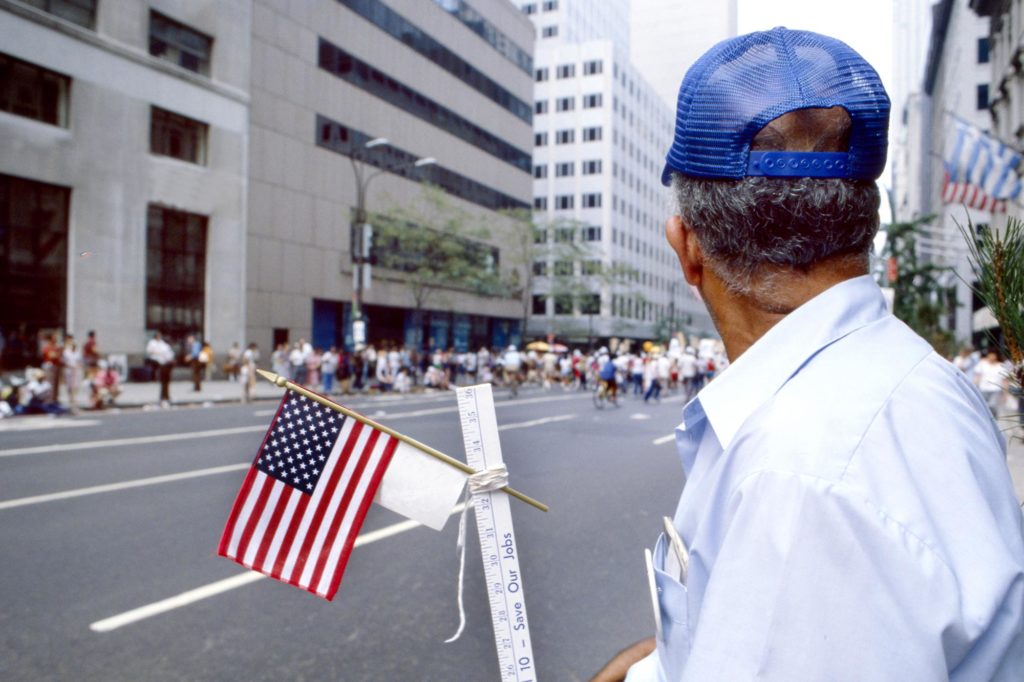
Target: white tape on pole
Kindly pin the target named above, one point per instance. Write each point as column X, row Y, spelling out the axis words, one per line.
column 497, row 538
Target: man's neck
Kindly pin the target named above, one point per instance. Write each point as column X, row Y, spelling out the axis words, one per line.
column 741, row 320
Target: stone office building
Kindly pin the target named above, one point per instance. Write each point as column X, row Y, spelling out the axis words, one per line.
column 123, row 142
column 445, row 81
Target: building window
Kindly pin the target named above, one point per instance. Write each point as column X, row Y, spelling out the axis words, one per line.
column 590, row 304
column 81, row 12
column 983, row 50
column 592, row 167
column 179, row 44
column 983, row 96
column 540, row 171
column 540, row 203
column 565, row 104
column 567, row 136
column 541, row 75
column 33, row 263
column 591, row 200
column 590, row 267
column 540, row 268
column 592, row 101
column 563, row 268
column 540, row 139
column 33, row 92
column 563, row 305
column 592, row 134
column 540, row 106
column 549, row 32
column 550, row 5
column 175, row 271
column 592, row 233
column 540, row 305
column 593, row 67
column 540, row 236
column 565, row 169
column 564, row 202
column 566, row 71
column 174, row 135
column 530, row 8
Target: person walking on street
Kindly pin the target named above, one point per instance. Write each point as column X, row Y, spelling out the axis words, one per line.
column 160, row 353
column 848, row 513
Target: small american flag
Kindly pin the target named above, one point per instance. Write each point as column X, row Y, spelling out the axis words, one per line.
column 306, row 495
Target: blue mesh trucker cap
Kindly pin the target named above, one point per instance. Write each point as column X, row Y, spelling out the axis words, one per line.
column 741, row 84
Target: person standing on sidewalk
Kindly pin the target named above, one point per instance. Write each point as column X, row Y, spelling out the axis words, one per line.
column 160, row 353
column 71, row 362
column 91, row 355
column 848, row 513
column 247, row 371
column 328, row 366
column 193, row 351
column 52, row 355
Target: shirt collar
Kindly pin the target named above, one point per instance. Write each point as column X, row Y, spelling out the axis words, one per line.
column 769, row 363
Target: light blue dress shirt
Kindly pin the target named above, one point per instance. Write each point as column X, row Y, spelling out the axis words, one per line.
column 848, row 512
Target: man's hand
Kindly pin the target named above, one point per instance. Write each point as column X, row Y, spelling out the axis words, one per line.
column 615, row 670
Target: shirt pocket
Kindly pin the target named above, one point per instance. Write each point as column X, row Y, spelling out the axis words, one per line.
column 674, row 643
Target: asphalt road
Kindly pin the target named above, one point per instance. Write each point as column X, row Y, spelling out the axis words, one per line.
column 76, row 559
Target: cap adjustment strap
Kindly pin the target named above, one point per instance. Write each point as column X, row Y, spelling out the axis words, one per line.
column 800, row 164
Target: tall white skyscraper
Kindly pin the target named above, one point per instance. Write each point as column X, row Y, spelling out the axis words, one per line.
column 601, row 133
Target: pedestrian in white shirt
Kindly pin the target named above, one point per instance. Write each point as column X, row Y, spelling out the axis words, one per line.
column 992, row 378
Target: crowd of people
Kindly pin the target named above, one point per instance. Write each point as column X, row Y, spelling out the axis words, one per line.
column 642, row 372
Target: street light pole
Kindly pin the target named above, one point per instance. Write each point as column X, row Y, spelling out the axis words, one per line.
column 360, row 230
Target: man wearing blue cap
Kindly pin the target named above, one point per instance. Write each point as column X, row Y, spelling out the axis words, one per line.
column 848, row 513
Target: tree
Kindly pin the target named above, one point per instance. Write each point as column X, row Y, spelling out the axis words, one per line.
column 997, row 260
column 919, row 297
column 560, row 252
column 433, row 246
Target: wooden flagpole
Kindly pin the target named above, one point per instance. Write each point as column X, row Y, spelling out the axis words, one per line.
column 279, row 380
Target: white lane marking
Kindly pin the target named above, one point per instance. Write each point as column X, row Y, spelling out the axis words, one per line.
column 123, row 485
column 536, row 422
column 215, row 588
column 664, row 439
column 639, row 415
column 31, row 424
column 88, row 445
column 426, row 412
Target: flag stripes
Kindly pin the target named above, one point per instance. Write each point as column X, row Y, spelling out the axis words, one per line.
column 294, row 530
column 980, row 171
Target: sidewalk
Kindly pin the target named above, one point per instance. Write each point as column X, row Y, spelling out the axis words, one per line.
column 143, row 393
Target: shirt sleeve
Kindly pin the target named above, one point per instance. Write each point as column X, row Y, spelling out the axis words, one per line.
column 811, row 583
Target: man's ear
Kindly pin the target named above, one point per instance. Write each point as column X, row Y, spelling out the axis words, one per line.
column 684, row 242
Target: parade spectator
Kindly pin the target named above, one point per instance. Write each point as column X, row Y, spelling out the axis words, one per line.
column 73, row 369
column 105, row 386
column 344, row 372
column 234, row 359
column 992, row 378
column 207, row 360
column 385, row 377
column 312, row 361
column 328, row 368
column 297, row 364
column 160, row 353
column 247, row 371
column 848, row 512
column 52, row 354
column 193, row 347
column 90, row 355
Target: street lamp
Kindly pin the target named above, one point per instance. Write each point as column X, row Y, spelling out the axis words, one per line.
column 362, row 232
